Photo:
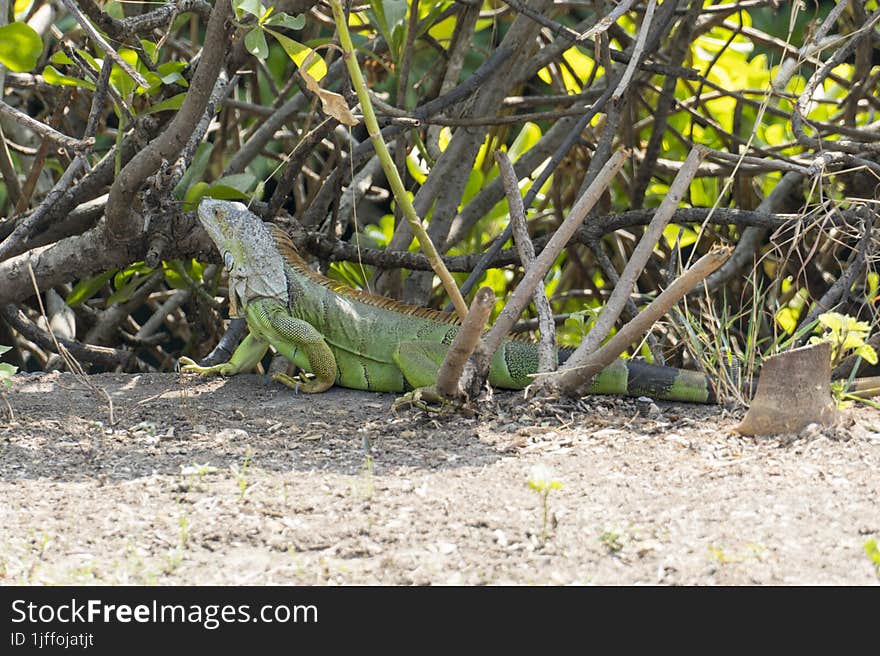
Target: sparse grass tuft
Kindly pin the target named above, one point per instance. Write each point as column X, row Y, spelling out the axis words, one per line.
column 241, row 474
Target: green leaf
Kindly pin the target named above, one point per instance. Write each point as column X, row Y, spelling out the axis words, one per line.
column 96, row 64
column 128, row 273
column 873, row 279
column 473, row 186
column 54, row 76
column 7, row 371
column 353, row 275
column 174, row 273
column 114, row 9
column 151, row 49
column 672, row 234
column 172, row 103
column 389, row 16
column 395, row 12
column 5, row 349
column 195, row 171
column 119, row 78
column 225, row 192
column 285, row 20
column 867, row 352
column 787, row 319
column 528, row 136
column 252, row 7
column 128, row 281
column 60, row 57
column 240, row 181
column 378, row 9
column 85, row 289
column 193, row 195
column 20, row 47
column 417, row 168
column 255, row 43
column 170, row 73
column 265, row 15
column 21, row 6
column 298, row 53
column 581, row 322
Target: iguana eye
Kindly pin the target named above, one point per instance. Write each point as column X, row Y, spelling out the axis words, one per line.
column 228, row 260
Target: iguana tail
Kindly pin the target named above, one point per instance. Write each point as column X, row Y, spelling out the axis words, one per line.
column 637, row 378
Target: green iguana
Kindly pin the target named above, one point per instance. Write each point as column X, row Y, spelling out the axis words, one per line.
column 354, row 339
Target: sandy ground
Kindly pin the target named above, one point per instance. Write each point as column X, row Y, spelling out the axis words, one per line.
column 239, row 481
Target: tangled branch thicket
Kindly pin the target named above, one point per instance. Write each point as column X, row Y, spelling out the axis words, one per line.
column 132, row 112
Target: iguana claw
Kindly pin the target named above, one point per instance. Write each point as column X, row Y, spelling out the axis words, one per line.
column 424, row 398
column 301, row 383
column 188, row 365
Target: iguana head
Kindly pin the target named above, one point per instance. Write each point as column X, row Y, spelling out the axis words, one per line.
column 249, row 251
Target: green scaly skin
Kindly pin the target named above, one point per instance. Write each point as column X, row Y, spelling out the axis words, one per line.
column 344, row 337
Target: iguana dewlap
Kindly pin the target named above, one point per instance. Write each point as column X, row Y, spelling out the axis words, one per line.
column 354, row 339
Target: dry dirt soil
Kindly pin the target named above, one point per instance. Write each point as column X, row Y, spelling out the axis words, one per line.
column 239, row 481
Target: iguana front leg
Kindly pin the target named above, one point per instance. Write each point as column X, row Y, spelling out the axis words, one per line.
column 244, row 358
column 288, row 335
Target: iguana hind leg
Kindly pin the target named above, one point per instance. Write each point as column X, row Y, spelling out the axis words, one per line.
column 244, row 358
column 419, row 362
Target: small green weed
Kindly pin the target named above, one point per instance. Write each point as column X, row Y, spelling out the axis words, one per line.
column 542, row 480
column 846, row 335
column 241, row 475
column 611, row 541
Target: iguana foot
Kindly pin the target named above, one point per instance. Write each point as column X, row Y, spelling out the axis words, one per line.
column 190, row 366
column 302, row 384
column 424, row 398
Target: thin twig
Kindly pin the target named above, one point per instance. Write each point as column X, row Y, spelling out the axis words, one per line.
column 7, row 170
column 295, row 161
column 98, row 355
column 102, row 43
column 558, row 155
column 22, row 230
column 44, row 130
column 801, row 107
column 535, row 274
column 635, row 56
column 547, row 353
column 171, row 141
column 753, row 236
column 608, row 317
column 574, row 377
column 845, row 281
column 391, row 172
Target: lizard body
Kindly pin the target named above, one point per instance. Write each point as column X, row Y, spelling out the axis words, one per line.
column 362, row 341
